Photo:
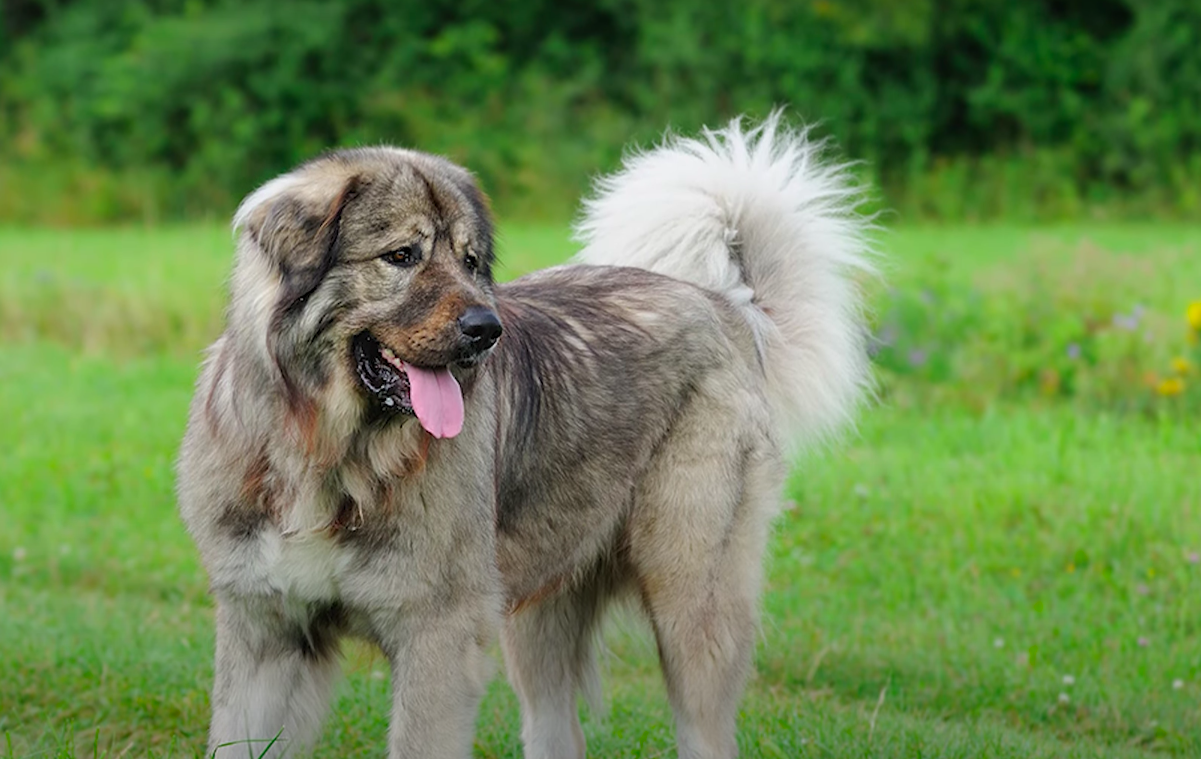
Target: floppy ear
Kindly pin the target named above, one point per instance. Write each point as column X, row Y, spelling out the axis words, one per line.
column 290, row 226
column 295, row 223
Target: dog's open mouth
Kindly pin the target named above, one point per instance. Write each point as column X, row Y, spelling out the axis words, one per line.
column 432, row 395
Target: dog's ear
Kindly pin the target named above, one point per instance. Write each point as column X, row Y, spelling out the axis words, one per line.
column 295, row 221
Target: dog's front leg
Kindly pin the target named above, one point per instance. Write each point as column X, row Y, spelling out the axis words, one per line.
column 273, row 681
column 440, row 668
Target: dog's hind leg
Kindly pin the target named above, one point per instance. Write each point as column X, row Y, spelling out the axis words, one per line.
column 697, row 540
column 274, row 679
column 550, row 657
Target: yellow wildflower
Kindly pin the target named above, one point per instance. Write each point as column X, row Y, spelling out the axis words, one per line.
column 1170, row 386
column 1181, row 365
column 1193, row 314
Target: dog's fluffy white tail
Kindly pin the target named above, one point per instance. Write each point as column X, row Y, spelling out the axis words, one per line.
column 763, row 217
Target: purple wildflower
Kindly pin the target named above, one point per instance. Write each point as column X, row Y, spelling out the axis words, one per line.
column 1127, row 323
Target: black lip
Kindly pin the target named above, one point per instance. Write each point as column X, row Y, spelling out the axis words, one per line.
column 382, row 381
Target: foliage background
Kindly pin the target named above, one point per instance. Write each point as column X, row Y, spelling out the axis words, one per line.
column 960, row 109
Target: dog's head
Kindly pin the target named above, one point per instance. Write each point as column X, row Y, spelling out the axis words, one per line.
column 365, row 277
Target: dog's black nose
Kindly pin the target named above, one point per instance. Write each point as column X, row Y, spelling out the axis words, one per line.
column 481, row 325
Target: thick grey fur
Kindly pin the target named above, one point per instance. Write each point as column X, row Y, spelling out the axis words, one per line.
column 619, row 440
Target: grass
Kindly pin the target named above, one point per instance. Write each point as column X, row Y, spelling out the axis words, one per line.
column 1014, row 580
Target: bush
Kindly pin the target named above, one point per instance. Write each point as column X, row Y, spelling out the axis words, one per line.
column 962, row 108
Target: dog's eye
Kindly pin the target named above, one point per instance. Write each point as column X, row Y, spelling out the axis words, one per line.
column 471, row 262
column 406, row 256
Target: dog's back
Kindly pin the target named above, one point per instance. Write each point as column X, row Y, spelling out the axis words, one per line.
column 598, row 366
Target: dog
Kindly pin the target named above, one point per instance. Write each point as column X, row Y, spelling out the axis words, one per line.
column 385, row 444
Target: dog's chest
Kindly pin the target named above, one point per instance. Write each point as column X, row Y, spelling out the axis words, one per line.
column 305, row 566
column 304, row 558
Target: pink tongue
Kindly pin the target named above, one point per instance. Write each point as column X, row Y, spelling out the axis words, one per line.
column 437, row 400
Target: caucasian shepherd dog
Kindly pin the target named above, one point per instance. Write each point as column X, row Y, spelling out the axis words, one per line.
column 385, row 444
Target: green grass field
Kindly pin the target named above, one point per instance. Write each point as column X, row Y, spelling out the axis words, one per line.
column 969, row 573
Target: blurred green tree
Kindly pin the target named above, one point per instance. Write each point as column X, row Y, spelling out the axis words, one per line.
column 958, row 107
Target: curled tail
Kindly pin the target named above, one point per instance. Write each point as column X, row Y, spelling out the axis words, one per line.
column 763, row 217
